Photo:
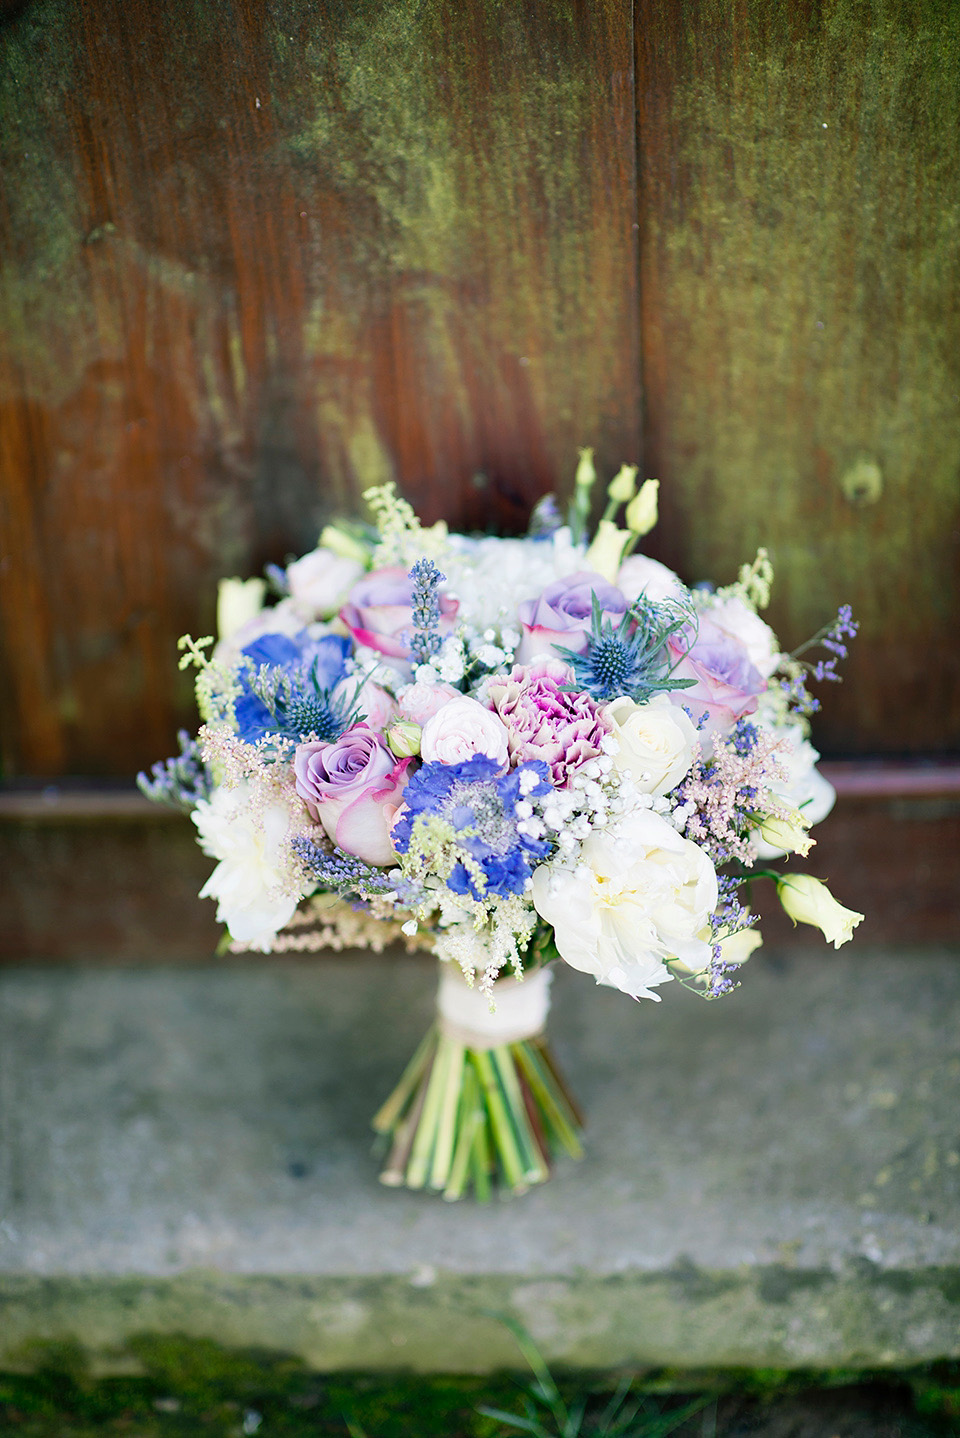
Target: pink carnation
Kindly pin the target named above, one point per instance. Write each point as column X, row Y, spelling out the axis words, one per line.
column 544, row 721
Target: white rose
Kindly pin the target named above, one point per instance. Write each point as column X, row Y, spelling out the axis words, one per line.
column 655, row 741
column 743, row 623
column 461, row 729
column 321, row 580
column 640, row 575
column 631, row 898
column 255, row 894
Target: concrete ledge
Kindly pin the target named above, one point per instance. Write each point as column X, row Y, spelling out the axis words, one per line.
column 772, row 1180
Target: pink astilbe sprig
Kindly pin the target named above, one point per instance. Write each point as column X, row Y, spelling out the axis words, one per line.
column 722, row 796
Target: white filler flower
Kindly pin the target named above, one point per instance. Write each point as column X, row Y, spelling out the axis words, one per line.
column 632, row 897
column 250, row 883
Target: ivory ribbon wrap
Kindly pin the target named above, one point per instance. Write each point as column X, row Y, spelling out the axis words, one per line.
column 520, row 1013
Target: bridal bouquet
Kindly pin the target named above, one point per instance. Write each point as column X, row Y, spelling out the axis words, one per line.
column 509, row 752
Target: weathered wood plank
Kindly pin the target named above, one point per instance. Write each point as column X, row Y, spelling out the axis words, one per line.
column 255, row 258
column 800, row 262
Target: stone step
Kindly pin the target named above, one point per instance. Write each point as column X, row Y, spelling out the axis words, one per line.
column 770, row 1180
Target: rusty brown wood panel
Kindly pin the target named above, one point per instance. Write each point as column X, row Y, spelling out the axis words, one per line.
column 254, row 257
column 800, row 296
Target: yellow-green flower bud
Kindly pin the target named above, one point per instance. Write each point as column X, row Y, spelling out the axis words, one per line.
column 586, row 474
column 606, row 551
column 403, row 739
column 641, row 513
column 237, row 601
column 623, row 486
column 808, row 901
column 790, row 836
column 344, row 544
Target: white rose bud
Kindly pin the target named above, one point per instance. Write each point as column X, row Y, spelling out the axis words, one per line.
column 808, row 901
column 238, row 600
column 787, row 836
column 606, row 551
column 641, row 513
column 404, row 739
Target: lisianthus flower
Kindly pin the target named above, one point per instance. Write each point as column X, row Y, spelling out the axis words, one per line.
column 809, row 901
column 463, row 822
column 544, row 720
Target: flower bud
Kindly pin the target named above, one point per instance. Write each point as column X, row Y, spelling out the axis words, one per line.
column 641, row 513
column 404, row 739
column 808, row 901
column 586, row 474
column 606, row 551
column 344, row 544
column 787, row 836
column 237, row 601
column 623, row 486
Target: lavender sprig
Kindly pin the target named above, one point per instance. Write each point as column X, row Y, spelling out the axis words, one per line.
column 349, row 875
column 180, row 782
column 425, row 603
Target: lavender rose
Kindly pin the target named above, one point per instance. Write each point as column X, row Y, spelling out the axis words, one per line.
column 544, row 721
column 378, row 612
column 727, row 685
column 563, row 615
column 346, row 787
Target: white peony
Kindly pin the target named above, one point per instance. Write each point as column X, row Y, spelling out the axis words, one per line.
column 461, row 729
column 254, row 890
column 321, row 581
column 655, row 742
column 632, row 897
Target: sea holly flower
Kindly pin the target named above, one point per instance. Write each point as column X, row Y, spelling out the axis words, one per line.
column 462, row 822
column 631, row 659
column 808, row 901
column 287, row 688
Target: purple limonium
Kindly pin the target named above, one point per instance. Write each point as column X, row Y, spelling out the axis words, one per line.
column 481, row 813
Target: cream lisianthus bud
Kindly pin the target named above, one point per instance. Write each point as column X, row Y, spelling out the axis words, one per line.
column 808, row 901
column 641, row 514
column 586, row 474
column 237, row 601
column 404, row 739
column 623, row 486
column 787, row 836
column 606, row 551
column 344, row 544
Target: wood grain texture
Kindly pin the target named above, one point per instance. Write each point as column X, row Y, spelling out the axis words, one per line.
column 800, row 293
column 255, row 257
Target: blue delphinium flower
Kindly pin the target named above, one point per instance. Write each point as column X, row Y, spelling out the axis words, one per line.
column 472, row 812
column 287, row 687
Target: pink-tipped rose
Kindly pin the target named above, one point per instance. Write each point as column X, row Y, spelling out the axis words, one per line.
column 461, row 729
column 727, row 684
column 378, row 612
column 563, row 615
column 545, row 721
column 352, row 788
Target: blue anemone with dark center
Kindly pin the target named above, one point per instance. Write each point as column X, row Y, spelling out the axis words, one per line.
column 296, row 698
column 480, row 805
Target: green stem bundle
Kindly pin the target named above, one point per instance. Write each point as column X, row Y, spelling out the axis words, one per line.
column 462, row 1116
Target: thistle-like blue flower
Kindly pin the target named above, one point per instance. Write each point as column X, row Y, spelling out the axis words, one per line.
column 630, row 658
column 478, row 805
column 287, row 688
